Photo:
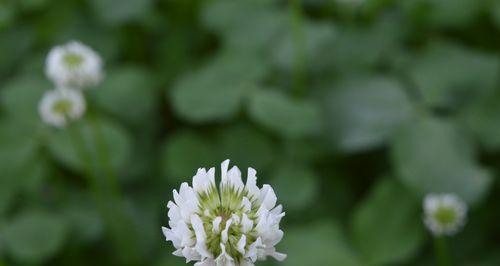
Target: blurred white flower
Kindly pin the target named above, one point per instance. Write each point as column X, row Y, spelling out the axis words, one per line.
column 74, row 65
column 58, row 107
column 444, row 214
column 234, row 224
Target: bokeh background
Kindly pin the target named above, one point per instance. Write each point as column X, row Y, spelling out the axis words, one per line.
column 352, row 109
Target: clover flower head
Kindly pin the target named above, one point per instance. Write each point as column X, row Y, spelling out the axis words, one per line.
column 444, row 214
column 234, row 224
column 59, row 106
column 74, row 65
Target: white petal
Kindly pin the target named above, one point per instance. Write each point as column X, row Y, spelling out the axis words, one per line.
column 241, row 244
column 190, row 254
column 279, row 256
column 251, row 185
column 200, row 181
column 246, row 224
column 252, row 249
column 216, row 224
column 234, row 177
column 267, row 197
column 178, row 253
column 206, row 262
column 224, row 234
column 199, row 230
column 246, row 205
column 224, row 166
column 246, row 262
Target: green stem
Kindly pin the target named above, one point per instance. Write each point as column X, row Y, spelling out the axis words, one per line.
column 299, row 46
column 108, row 203
column 441, row 252
column 79, row 146
column 105, row 157
column 124, row 229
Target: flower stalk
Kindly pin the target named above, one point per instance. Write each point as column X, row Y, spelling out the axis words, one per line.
column 441, row 251
column 299, row 46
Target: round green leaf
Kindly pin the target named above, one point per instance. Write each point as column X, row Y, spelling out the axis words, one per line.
column 363, row 47
column 317, row 244
column 246, row 147
column 34, row 236
column 295, row 185
column 448, row 75
column 215, row 93
column 433, row 156
column 284, row 115
column 318, row 41
column 483, row 120
column 16, row 40
column 21, row 167
column 128, row 93
column 249, row 25
column 453, row 13
column 388, row 235
column 364, row 113
column 20, row 97
column 83, row 217
column 100, row 138
column 115, row 12
column 183, row 153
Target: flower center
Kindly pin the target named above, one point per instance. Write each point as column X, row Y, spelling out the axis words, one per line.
column 445, row 216
column 73, row 59
column 62, row 106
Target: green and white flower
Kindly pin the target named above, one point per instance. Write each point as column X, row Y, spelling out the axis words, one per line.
column 233, row 224
column 74, row 65
column 58, row 107
column 445, row 214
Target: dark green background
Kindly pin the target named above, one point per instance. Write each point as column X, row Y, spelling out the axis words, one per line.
column 353, row 112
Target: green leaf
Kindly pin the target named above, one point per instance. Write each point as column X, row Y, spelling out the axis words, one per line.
column 296, row 185
column 285, row 116
column 432, row 155
column 364, row 47
column 246, row 147
column 318, row 41
column 496, row 13
column 183, row 153
column 364, row 113
column 453, row 13
column 21, row 167
column 215, row 92
column 7, row 14
column 115, row 12
column 388, row 235
column 449, row 76
column 33, row 5
column 34, row 236
column 483, row 120
column 20, row 97
column 17, row 41
column 245, row 25
column 321, row 243
column 92, row 131
column 84, row 220
column 128, row 92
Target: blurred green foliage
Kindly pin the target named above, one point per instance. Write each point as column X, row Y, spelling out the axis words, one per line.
column 351, row 109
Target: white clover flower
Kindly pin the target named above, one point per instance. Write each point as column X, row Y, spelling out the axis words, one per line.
column 74, row 65
column 59, row 106
column 235, row 224
column 444, row 214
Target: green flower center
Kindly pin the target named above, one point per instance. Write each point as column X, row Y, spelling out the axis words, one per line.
column 225, row 206
column 445, row 216
column 73, row 59
column 62, row 106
